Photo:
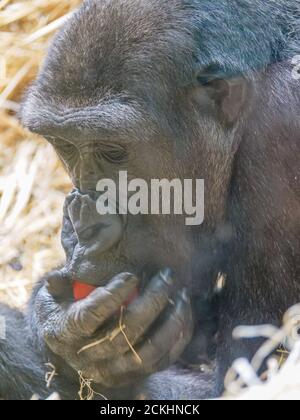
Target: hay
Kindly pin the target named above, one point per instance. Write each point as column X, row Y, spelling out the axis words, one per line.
column 86, row 392
column 50, row 375
column 110, row 337
column 281, row 380
column 53, row 397
column 32, row 182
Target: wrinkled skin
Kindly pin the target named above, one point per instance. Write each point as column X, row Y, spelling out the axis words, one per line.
column 170, row 89
column 69, row 330
column 86, row 236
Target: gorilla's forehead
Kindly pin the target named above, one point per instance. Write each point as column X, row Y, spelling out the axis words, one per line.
column 112, row 42
column 128, row 45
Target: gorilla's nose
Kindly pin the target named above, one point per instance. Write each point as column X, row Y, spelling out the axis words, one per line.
column 95, row 231
column 90, row 232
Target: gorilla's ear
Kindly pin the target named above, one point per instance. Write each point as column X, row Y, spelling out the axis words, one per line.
column 230, row 97
column 228, row 93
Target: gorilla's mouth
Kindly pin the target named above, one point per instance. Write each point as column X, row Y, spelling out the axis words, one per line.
column 86, row 265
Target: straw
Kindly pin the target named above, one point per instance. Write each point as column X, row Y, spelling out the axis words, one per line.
column 32, row 181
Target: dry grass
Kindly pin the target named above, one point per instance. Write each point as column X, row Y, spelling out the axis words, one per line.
column 32, row 182
column 281, row 380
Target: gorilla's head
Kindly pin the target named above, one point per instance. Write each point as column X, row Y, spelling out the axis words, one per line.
column 154, row 88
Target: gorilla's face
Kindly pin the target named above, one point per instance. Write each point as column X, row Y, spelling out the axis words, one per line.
column 126, row 87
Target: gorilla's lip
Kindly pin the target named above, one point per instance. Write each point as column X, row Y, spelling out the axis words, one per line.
column 99, row 273
column 95, row 271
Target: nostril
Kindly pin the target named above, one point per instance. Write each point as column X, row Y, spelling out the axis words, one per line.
column 88, row 192
column 87, row 234
column 87, row 185
column 91, row 232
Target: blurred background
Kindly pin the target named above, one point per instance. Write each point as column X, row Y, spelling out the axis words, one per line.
column 32, row 182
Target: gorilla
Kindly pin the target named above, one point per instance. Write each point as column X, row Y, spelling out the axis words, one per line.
column 188, row 89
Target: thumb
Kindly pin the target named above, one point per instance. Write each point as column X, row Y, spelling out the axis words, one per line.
column 59, row 285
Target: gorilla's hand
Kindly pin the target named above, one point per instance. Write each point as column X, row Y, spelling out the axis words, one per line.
column 89, row 336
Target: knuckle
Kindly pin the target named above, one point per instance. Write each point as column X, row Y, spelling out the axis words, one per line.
column 79, row 321
column 156, row 300
column 52, row 342
column 99, row 375
column 150, row 366
column 178, row 320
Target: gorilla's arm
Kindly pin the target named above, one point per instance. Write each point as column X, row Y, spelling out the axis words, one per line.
column 21, row 369
column 22, row 372
column 179, row 384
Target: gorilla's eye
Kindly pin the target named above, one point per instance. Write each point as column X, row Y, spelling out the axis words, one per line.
column 114, row 154
column 203, row 79
column 209, row 74
column 66, row 150
column 61, row 146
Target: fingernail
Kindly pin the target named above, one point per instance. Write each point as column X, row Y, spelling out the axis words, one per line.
column 128, row 278
column 185, row 295
column 167, row 276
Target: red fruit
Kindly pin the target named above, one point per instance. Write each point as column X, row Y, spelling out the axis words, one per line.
column 83, row 290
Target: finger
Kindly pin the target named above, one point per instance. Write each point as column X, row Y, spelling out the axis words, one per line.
column 48, row 313
column 68, row 235
column 86, row 316
column 138, row 317
column 163, row 347
column 69, row 324
column 142, row 313
column 168, row 343
column 59, row 285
